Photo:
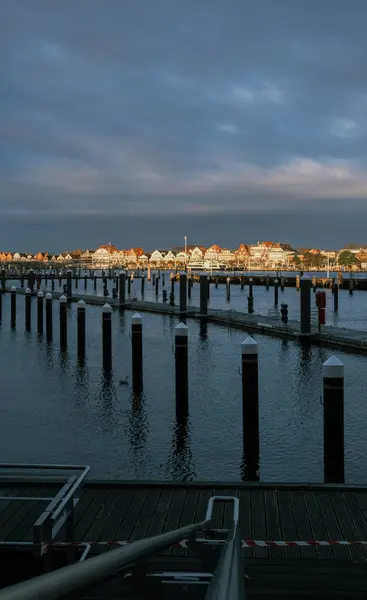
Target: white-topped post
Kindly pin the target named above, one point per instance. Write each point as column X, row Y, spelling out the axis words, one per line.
column 63, row 322
column 276, row 292
column 333, row 388
column 228, row 289
column 80, row 311
column 137, row 352
column 181, row 371
column 49, row 326
column 40, row 312
column 250, row 408
column 107, row 337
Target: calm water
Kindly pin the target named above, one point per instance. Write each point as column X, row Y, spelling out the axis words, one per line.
column 53, row 410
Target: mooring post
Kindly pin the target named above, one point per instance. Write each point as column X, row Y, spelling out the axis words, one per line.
column 333, row 383
column 13, row 307
column 250, row 286
column 276, row 292
column 172, row 294
column 142, row 286
column 250, row 407
column 85, row 281
column 336, row 296
column 122, row 289
column 183, row 292
column 203, row 295
column 208, row 288
column 69, row 285
column 49, row 316
column 40, row 312
column 154, row 278
column 3, row 280
column 95, row 282
column 182, row 370
column 107, row 337
column 28, row 306
column 267, row 283
column 163, row 280
column 148, row 274
column 63, row 322
column 137, row 352
column 189, row 286
column 305, row 305
column 228, row 289
column 156, row 287
column 216, row 283
column 76, row 280
column 129, row 285
column 350, row 283
column 282, row 284
column 242, row 282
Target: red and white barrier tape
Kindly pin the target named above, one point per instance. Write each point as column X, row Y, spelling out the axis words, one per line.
column 245, row 543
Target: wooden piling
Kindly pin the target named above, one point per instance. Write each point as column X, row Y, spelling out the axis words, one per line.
column 250, row 408
column 107, row 337
column 122, row 289
column 181, row 371
column 13, row 307
column 40, row 312
column 137, row 352
column 183, row 292
column 305, row 308
column 28, row 308
column 49, row 326
column 333, row 388
column 276, row 292
column 203, row 295
column 63, row 322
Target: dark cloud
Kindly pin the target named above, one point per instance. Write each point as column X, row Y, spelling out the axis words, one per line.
column 139, row 108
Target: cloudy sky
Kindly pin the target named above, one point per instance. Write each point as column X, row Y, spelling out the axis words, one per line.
column 140, row 121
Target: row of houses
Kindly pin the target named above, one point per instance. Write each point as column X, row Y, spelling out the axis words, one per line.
column 263, row 255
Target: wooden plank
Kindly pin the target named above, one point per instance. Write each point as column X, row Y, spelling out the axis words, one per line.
column 303, row 523
column 12, row 508
column 117, row 513
column 146, row 514
column 7, row 492
column 23, row 531
column 341, row 504
column 159, row 516
column 317, row 524
column 126, row 525
column 273, row 527
column 96, row 527
column 18, row 514
column 174, row 513
column 288, row 523
column 246, row 519
column 188, row 513
column 258, row 524
column 332, row 525
column 93, row 510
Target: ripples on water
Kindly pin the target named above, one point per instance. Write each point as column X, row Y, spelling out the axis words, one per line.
column 56, row 409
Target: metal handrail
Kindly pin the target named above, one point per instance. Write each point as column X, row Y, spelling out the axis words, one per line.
column 79, row 576
column 228, row 582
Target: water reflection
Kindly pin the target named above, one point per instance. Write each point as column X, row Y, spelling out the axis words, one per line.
column 107, row 401
column 181, row 462
column 82, row 382
column 204, row 330
column 250, row 466
column 137, row 431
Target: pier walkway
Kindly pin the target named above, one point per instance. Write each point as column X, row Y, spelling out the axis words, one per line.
column 298, row 540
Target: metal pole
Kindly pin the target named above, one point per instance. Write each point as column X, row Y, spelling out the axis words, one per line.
column 81, row 328
column 250, row 407
column 107, row 337
column 181, row 371
column 333, row 383
column 137, row 352
column 49, row 316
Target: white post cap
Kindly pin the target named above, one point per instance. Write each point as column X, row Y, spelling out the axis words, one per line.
column 304, row 277
column 48, row 296
column 182, row 273
column 40, row 294
column 81, row 303
column 28, row 291
column 181, row 329
column 106, row 308
column 333, row 368
column 249, row 346
column 275, row 281
column 63, row 299
column 250, row 280
column 13, row 288
column 136, row 319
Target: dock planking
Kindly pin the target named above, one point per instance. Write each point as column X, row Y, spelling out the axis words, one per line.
column 130, row 511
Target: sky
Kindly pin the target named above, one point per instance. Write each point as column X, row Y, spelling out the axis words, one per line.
column 141, row 121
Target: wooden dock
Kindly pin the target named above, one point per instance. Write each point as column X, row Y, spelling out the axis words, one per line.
column 299, row 540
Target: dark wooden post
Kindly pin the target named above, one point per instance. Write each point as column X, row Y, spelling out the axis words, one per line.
column 305, row 305
column 333, row 382
column 63, row 322
column 203, row 295
column 276, row 292
column 137, row 352
column 69, row 282
column 28, row 308
column 81, row 329
column 142, row 286
column 13, row 307
column 49, row 327
column 182, row 370
column 250, row 408
column 107, row 337
column 183, row 292
column 122, row 289
column 336, row 296
column 40, row 312
column 228, row 289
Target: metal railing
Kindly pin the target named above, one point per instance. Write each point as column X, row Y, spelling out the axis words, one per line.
column 59, row 509
column 228, row 581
